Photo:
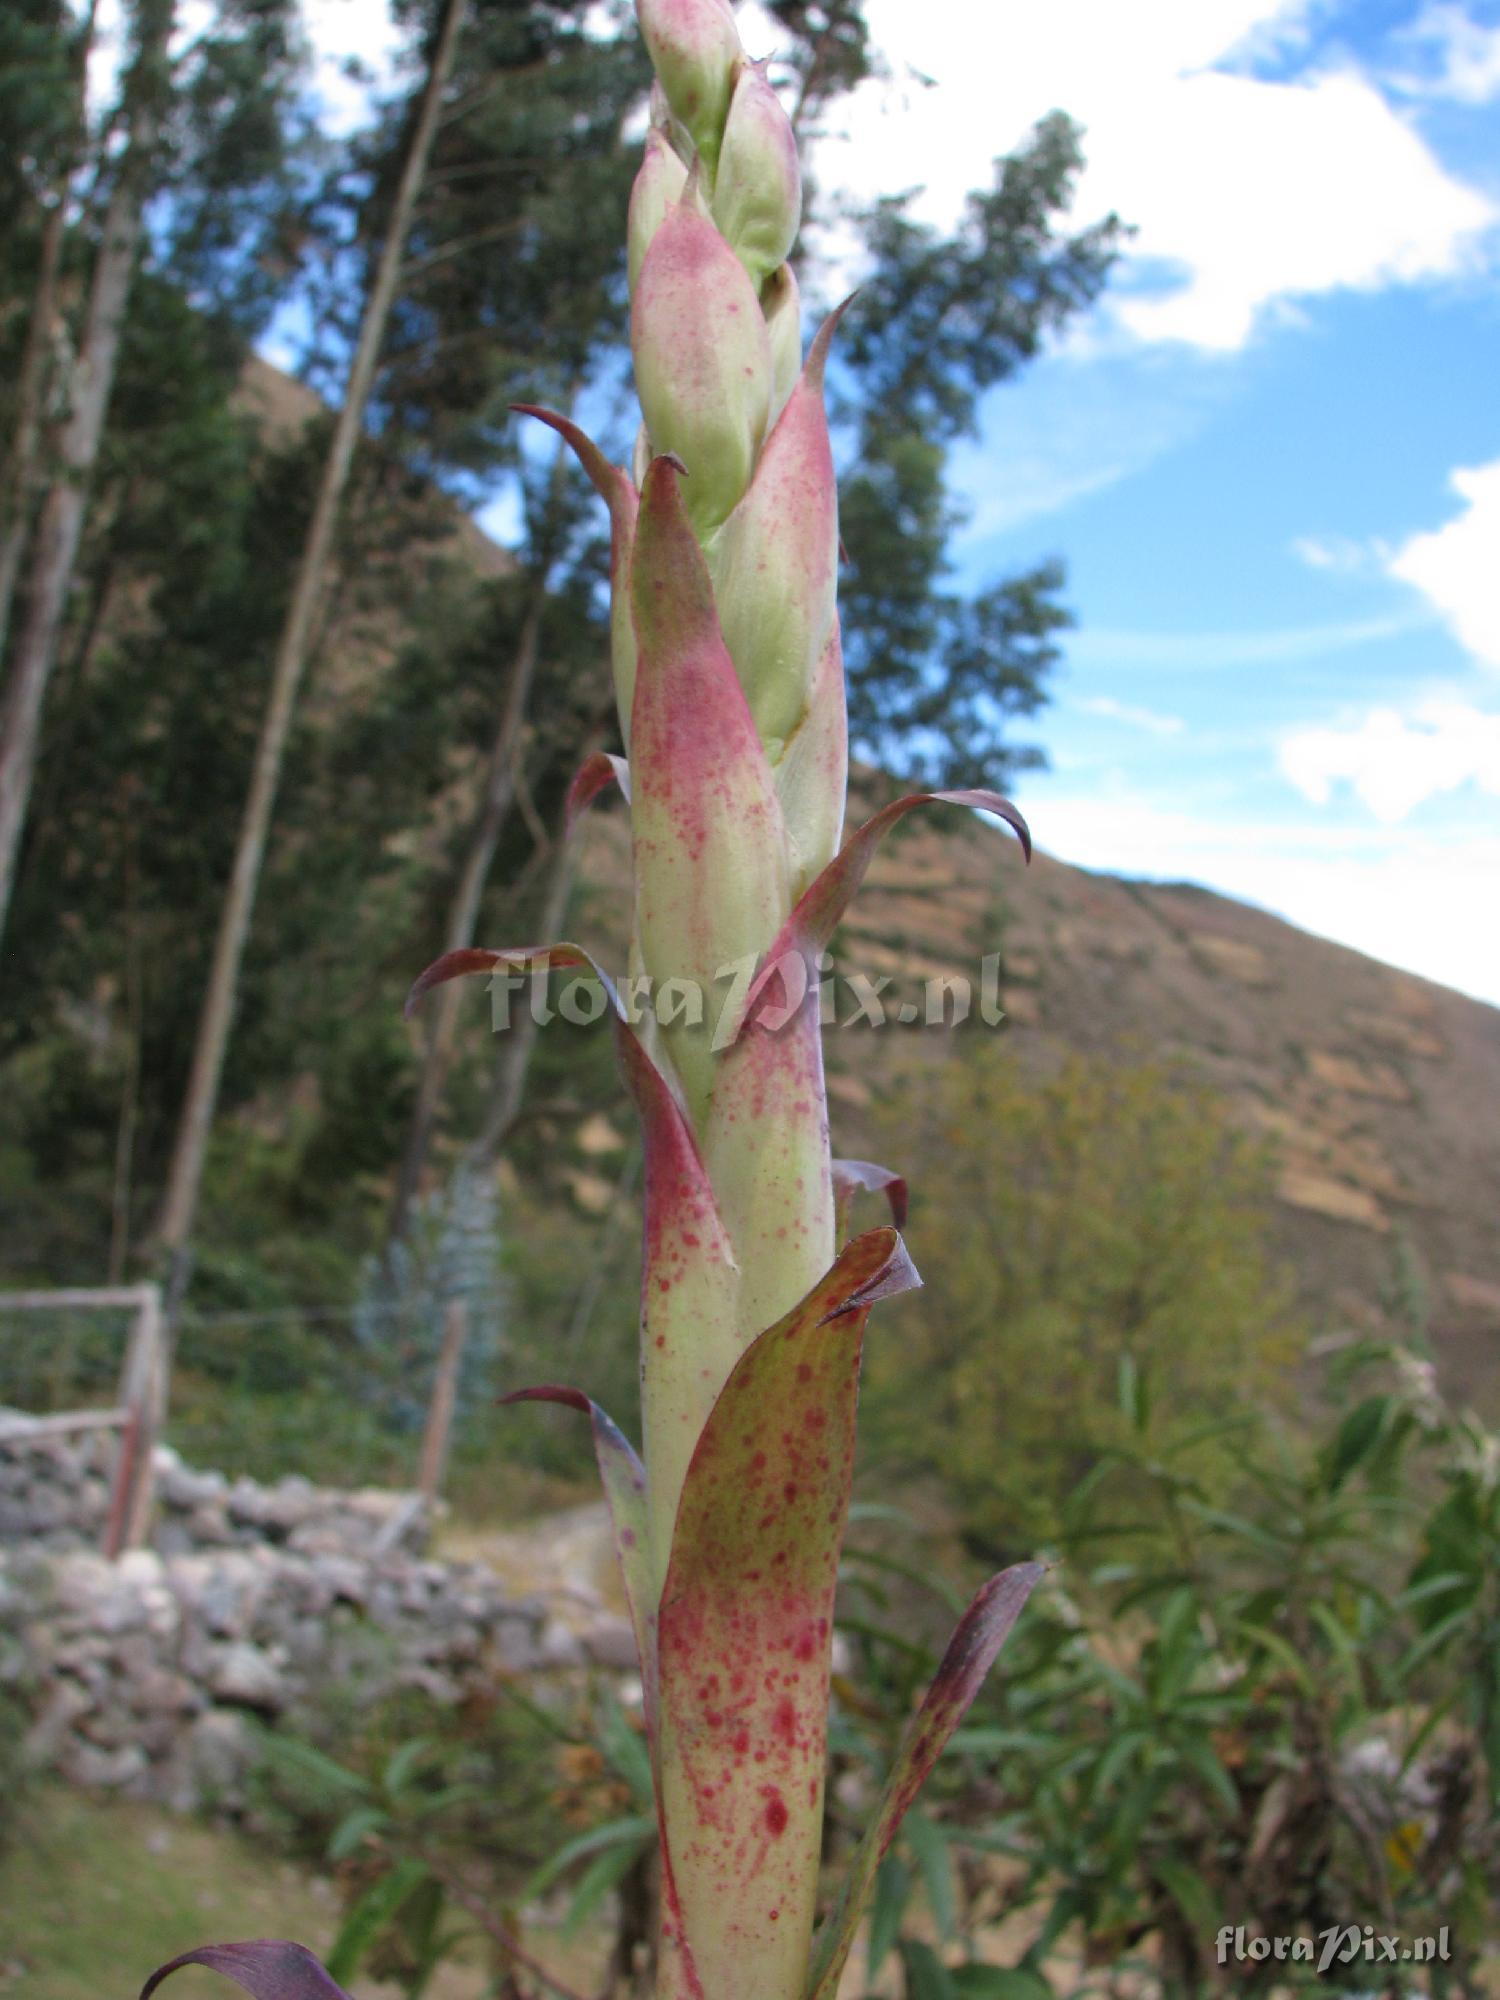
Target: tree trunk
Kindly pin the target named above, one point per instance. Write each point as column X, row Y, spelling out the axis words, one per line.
column 185, row 1177
column 516, row 1049
column 22, row 460
column 463, row 913
column 54, row 546
column 439, row 1426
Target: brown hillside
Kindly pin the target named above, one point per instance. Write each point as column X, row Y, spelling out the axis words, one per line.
column 1379, row 1092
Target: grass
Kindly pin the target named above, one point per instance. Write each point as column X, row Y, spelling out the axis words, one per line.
column 94, row 1895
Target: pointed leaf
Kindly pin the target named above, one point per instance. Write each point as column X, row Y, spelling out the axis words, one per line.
column 595, row 775
column 624, row 1480
column 775, row 563
column 850, row 1176
column 892, row 1894
column 981, row 1632
column 821, row 908
column 927, row 1978
column 373, row 1914
column 618, row 492
column 757, row 198
column 744, row 1630
column 712, row 874
column 702, row 361
column 690, row 1281
column 812, row 779
column 266, row 1968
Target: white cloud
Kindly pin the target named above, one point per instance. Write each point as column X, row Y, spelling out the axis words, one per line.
column 1461, row 56
column 1394, row 762
column 1457, row 566
column 1251, row 194
column 355, row 47
column 1409, row 901
column 1133, row 718
column 357, row 50
column 1340, row 554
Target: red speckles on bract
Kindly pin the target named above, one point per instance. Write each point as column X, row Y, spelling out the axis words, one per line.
column 748, row 1604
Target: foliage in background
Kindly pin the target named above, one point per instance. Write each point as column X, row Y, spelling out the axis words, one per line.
column 515, row 289
column 1121, row 1214
column 452, row 1251
column 1273, row 1710
column 445, row 1828
column 1275, row 1713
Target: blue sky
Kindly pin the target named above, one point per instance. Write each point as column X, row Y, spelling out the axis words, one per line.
column 1270, row 458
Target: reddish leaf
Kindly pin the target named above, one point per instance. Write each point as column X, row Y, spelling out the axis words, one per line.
column 980, row 1634
column 744, row 1629
column 711, row 863
column 817, row 916
column 850, row 1176
column 592, row 777
column 619, row 494
column 690, row 1282
column 266, row 1968
column 624, row 1480
column 775, row 561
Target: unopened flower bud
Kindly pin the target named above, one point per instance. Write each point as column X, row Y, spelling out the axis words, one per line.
column 671, row 128
column 702, row 362
column 775, row 564
column 658, row 186
column 812, row 778
column 757, row 198
column 781, row 302
column 711, row 861
column 695, row 49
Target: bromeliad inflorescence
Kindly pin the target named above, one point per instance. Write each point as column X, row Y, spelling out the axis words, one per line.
column 729, row 680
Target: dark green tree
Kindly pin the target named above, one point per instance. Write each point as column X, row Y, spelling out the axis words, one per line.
column 936, row 680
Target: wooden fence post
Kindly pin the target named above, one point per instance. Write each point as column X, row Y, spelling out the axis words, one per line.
column 143, row 1397
column 444, row 1397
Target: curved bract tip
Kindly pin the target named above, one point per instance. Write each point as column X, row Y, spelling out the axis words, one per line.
column 265, row 1968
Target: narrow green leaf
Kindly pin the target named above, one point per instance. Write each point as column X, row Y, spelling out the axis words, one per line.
column 370, row 1915
column 996, row 1982
column 604, row 1873
column 887, row 1908
column 1190, row 1893
column 615, row 1833
column 354, row 1830
column 404, row 1762
column 927, row 1978
column 981, row 1632
column 929, row 1843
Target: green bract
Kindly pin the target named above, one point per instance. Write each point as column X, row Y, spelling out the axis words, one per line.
column 729, row 674
column 729, row 680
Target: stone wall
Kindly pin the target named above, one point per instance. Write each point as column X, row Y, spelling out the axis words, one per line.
column 256, row 1605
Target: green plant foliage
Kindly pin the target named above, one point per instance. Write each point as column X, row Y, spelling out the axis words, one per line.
column 1272, row 1712
column 1109, row 1216
column 422, row 1812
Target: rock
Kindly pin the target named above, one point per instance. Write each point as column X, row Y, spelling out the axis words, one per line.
column 247, row 1677
column 610, row 1642
column 162, row 1692
column 222, row 1748
column 94, row 1769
